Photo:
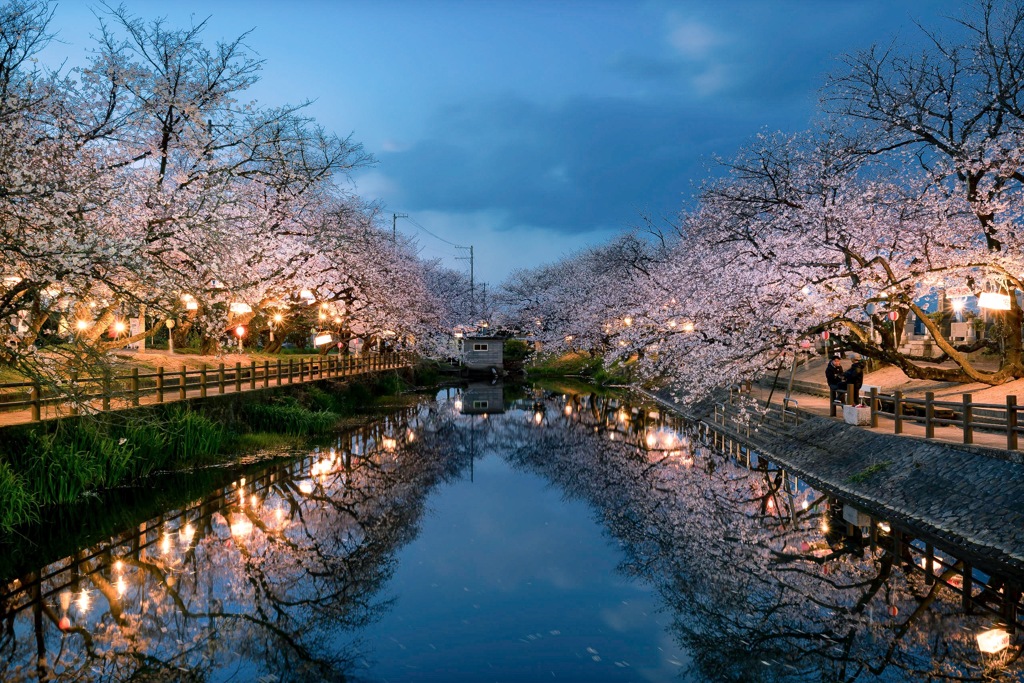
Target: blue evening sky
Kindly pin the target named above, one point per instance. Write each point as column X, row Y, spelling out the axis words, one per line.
column 530, row 129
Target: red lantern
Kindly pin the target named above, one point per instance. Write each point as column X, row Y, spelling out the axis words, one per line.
column 825, row 335
column 64, row 624
column 805, row 344
column 893, row 610
column 894, row 315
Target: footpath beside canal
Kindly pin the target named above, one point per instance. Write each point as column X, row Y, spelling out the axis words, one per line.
column 965, row 501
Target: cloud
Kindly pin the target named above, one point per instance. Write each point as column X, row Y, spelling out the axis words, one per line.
column 583, row 165
column 694, row 40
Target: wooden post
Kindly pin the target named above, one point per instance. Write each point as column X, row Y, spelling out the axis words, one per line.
column 278, row 372
column 74, row 386
column 182, row 381
column 202, row 382
column 37, row 405
column 266, row 374
column 898, row 410
column 968, row 420
column 252, row 375
column 220, row 378
column 1011, row 423
column 302, row 370
column 106, row 390
column 874, row 406
column 849, row 395
column 291, row 370
column 135, row 386
column 238, row 377
column 929, row 564
column 929, row 414
column 160, row 384
column 968, row 587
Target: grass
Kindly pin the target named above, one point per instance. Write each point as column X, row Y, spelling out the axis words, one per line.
column 65, row 461
column 579, row 365
column 869, row 471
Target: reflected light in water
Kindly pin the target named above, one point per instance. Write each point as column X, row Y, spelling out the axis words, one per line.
column 83, row 602
column 241, row 526
column 120, row 586
column 993, row 641
column 306, row 487
column 186, row 533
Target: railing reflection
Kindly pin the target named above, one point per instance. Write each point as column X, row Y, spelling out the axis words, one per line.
column 267, row 566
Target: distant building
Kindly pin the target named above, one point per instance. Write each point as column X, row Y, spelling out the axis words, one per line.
column 483, row 354
column 483, row 399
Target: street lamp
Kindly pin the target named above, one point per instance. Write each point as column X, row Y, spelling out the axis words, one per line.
column 240, row 332
column 170, row 335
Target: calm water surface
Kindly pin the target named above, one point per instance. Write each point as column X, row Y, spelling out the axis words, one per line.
column 487, row 535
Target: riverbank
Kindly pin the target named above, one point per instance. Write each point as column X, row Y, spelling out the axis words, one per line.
column 62, row 462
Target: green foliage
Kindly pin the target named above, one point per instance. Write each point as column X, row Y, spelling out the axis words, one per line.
column 869, row 471
column 389, row 384
column 17, row 504
column 516, row 353
column 569, row 364
column 288, row 416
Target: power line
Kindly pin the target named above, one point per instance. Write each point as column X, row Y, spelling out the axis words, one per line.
column 436, row 237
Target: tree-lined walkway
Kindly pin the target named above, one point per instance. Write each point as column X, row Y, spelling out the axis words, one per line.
column 24, row 402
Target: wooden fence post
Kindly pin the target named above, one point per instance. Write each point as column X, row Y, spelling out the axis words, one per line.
column 302, row 369
column 37, row 406
column 220, row 378
column 291, row 370
column 252, row 375
column 202, row 382
column 73, row 389
column 238, row 377
column 135, row 386
column 106, row 390
column 266, row 374
column 898, row 412
column 1011, row 423
column 929, row 414
column 968, row 420
column 182, row 382
column 160, row 384
column 278, row 372
column 874, row 406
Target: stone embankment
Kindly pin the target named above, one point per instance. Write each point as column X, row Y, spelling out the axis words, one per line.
column 952, row 496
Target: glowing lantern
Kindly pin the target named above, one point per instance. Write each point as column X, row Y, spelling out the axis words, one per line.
column 306, row 487
column 238, row 308
column 278, row 317
column 64, row 624
column 322, row 338
column 994, row 301
column 307, row 296
column 568, row 409
column 240, row 331
column 893, row 315
column 82, row 325
column 805, row 343
column 538, row 417
column 688, row 326
column 993, row 641
column 627, row 321
column 825, row 335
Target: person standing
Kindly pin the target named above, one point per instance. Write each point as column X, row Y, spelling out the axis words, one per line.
column 855, row 377
column 836, row 379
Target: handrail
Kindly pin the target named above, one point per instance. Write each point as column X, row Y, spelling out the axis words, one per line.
column 115, row 392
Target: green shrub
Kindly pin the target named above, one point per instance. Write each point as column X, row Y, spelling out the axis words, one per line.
column 289, row 417
column 17, row 504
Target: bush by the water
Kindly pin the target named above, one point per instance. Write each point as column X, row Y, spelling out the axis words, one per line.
column 288, row 416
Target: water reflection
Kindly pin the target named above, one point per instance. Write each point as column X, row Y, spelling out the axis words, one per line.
column 263, row 576
column 254, row 579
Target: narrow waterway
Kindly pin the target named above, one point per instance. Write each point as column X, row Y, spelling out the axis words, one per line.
column 484, row 535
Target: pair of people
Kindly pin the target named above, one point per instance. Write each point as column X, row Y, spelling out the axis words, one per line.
column 839, row 379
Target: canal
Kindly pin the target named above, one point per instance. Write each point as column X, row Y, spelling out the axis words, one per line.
column 483, row 534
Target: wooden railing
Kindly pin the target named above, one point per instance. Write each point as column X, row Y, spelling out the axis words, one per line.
column 965, row 414
column 114, row 392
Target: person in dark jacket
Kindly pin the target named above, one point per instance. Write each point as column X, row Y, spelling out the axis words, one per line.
column 836, row 379
column 855, row 377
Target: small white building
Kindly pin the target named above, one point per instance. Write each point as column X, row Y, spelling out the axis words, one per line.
column 483, row 354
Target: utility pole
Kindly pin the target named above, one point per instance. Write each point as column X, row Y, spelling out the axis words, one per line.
column 394, row 225
column 472, row 290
